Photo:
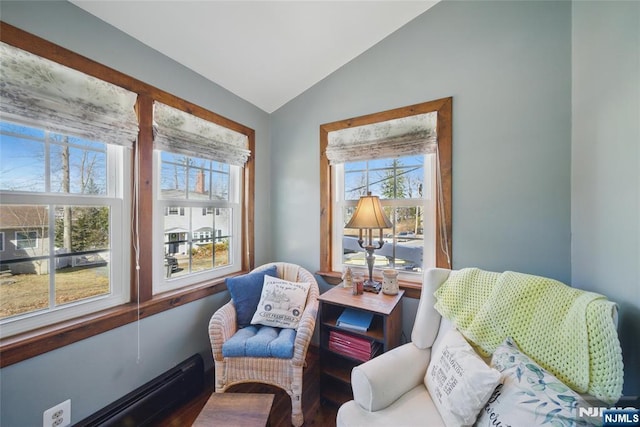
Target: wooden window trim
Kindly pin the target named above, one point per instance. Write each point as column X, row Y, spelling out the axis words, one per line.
column 444, row 128
column 20, row 347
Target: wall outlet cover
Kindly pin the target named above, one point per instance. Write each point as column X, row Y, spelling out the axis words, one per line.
column 57, row 416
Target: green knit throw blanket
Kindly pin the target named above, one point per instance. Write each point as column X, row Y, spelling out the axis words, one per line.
column 566, row 330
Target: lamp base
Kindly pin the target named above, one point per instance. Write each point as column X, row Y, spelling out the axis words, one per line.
column 372, row 286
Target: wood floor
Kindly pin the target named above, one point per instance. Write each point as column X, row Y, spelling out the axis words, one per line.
column 316, row 414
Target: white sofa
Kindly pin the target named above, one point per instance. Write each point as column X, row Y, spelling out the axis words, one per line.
column 390, row 389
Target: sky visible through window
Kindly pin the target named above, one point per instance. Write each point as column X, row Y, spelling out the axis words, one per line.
column 26, row 154
column 399, row 183
column 387, row 178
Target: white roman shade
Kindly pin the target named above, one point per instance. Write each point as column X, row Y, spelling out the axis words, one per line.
column 405, row 136
column 37, row 92
column 183, row 133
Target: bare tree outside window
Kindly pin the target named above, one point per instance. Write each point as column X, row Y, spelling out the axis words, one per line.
column 61, row 251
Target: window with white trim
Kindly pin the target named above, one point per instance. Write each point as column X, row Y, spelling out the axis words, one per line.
column 199, row 174
column 65, row 139
column 66, row 208
column 26, row 240
column 403, row 156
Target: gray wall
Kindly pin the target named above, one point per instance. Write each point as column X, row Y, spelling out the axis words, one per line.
column 99, row 370
column 508, row 67
column 605, row 190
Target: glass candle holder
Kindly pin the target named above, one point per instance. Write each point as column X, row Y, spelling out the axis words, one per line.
column 358, row 283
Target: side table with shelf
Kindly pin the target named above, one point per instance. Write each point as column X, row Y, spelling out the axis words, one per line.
column 385, row 328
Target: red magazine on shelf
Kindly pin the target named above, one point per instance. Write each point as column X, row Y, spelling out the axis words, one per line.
column 350, row 340
column 348, row 345
column 350, row 352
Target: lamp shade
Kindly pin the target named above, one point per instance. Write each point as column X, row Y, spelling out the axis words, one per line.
column 369, row 214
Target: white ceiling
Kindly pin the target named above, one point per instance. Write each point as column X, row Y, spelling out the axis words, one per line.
column 266, row 52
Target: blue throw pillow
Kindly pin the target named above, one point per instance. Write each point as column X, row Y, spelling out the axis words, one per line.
column 245, row 292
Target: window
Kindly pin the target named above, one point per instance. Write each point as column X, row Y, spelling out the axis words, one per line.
column 201, row 187
column 63, row 204
column 404, row 157
column 106, row 217
column 174, row 210
column 26, row 240
column 197, row 186
column 402, row 185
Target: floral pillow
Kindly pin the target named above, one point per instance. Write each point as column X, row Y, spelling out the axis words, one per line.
column 530, row 395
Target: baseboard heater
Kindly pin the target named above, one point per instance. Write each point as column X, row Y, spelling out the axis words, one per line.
column 144, row 405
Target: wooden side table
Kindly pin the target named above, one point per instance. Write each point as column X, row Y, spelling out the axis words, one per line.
column 235, row 409
column 386, row 329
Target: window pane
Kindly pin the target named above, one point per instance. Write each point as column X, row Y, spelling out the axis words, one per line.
column 355, row 185
column 16, row 129
column 27, row 227
column 173, row 181
column 80, row 169
column 392, row 180
column 203, row 229
column 383, row 184
column 176, row 237
column 205, row 179
column 220, row 167
column 202, row 256
column 220, row 188
column 224, row 237
column 388, row 178
column 82, row 232
column 24, row 287
column 199, row 183
column 81, row 276
column 355, row 166
column 198, row 241
column 222, row 254
column 403, row 243
column 81, row 228
column 22, row 161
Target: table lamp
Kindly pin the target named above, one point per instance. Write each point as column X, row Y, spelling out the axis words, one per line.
column 369, row 215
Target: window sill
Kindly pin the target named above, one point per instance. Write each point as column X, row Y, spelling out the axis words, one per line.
column 412, row 289
column 23, row 346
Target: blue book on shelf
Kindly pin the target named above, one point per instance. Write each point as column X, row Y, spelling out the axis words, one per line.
column 355, row 319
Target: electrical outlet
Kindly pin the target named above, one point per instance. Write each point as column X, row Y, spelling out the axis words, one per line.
column 57, row 416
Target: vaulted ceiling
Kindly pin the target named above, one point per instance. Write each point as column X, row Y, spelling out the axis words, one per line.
column 266, row 52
